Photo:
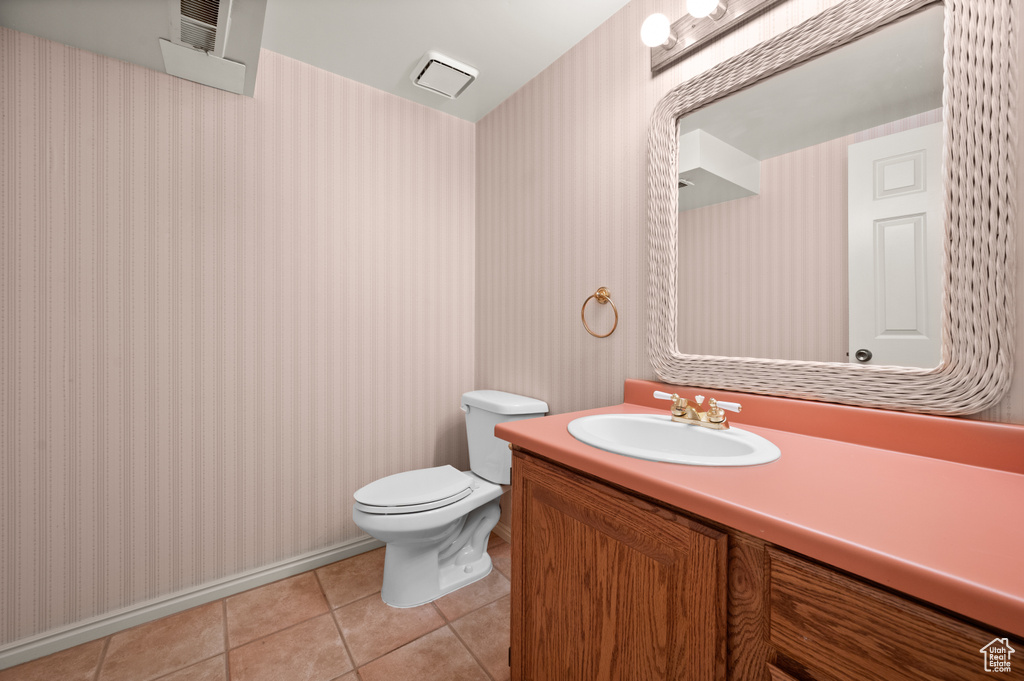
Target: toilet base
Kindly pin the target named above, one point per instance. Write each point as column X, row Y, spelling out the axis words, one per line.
column 415, row 573
column 451, row 578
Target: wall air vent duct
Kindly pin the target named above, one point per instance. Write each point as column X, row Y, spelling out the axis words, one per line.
column 198, row 21
column 199, row 37
column 443, row 75
column 204, row 11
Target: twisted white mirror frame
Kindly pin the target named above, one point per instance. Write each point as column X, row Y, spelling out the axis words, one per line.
column 979, row 81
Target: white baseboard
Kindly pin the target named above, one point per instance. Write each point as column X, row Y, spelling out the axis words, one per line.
column 503, row 530
column 55, row 640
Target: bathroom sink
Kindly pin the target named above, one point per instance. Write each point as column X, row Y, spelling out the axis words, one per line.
column 657, row 438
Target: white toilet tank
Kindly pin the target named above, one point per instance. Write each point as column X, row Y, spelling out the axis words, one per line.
column 490, row 457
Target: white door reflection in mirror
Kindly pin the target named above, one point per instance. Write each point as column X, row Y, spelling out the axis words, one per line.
column 895, row 232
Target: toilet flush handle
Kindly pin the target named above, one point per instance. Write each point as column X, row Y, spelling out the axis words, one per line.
column 465, row 408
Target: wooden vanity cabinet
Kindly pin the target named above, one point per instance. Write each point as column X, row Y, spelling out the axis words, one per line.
column 838, row 627
column 607, row 585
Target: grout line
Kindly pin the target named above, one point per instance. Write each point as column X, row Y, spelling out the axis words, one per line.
column 444, row 618
column 404, row 645
column 344, row 643
column 471, row 653
column 188, row 666
column 443, row 624
column 470, row 612
column 278, row 631
column 479, row 607
column 339, row 678
column 103, row 658
column 333, row 612
column 360, row 600
column 227, row 643
column 323, row 591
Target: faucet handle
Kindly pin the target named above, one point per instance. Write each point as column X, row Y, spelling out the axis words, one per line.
column 679, row 404
column 730, row 406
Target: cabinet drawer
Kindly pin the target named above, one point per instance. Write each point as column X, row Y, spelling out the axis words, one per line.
column 844, row 629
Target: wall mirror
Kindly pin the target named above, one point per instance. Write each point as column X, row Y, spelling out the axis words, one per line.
column 777, row 198
column 819, row 206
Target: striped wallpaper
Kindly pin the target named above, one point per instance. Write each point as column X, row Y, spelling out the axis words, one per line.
column 561, row 210
column 221, row 316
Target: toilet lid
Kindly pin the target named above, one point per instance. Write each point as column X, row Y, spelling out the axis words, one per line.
column 413, row 491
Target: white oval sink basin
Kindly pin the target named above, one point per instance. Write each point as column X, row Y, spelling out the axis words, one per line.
column 657, row 438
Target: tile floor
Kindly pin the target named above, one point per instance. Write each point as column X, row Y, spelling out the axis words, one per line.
column 322, row 625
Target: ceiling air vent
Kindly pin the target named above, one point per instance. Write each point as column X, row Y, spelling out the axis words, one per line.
column 443, row 75
column 199, row 38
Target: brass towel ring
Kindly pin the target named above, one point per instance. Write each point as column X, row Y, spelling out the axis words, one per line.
column 601, row 295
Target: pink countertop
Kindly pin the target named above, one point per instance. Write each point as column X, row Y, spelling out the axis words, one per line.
column 921, row 521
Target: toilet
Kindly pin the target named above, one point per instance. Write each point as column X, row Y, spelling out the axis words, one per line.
column 436, row 521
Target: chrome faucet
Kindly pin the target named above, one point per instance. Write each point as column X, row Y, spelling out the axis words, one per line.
column 685, row 411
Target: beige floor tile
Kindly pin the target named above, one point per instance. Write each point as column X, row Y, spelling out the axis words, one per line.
column 74, row 664
column 476, row 595
column 214, row 669
column 311, row 651
column 486, row 633
column 353, row 578
column 438, row 656
column 151, row 650
column 501, row 557
column 371, row 627
column 257, row 613
column 283, row 632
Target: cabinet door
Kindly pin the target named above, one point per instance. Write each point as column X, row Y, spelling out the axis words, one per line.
column 606, row 586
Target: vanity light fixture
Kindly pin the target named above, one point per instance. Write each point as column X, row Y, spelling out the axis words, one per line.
column 705, row 20
column 715, row 9
column 656, row 31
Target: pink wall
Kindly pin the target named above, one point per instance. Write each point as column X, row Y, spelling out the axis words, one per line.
column 215, row 311
column 561, row 210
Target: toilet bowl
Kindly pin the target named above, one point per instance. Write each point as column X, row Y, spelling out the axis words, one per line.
column 436, row 521
column 434, row 551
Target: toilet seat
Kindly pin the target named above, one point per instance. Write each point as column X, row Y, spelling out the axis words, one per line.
column 414, row 491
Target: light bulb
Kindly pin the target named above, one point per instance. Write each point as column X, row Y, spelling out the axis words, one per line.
column 704, row 8
column 656, row 31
